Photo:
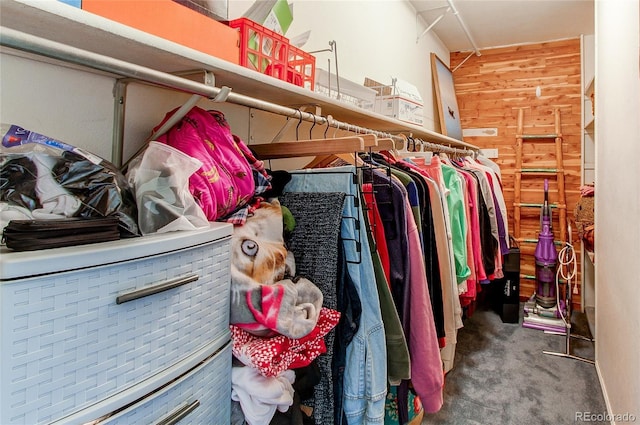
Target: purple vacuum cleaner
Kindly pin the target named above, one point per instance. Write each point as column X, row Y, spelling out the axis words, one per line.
column 541, row 311
column 546, row 257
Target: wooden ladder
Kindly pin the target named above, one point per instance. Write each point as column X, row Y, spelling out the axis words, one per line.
column 557, row 172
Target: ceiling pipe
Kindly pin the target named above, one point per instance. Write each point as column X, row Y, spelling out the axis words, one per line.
column 433, row 24
column 464, row 27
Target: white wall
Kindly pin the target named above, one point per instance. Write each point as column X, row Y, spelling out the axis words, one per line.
column 73, row 106
column 374, row 38
column 617, row 208
column 77, row 106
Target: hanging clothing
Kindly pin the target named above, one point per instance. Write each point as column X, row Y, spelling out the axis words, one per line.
column 365, row 373
column 430, row 249
column 489, row 163
column 433, row 232
column 424, row 221
column 411, row 292
column 390, row 197
column 398, row 359
column 455, row 202
column 314, row 243
column 452, row 310
column 377, row 228
column 488, row 223
column 426, row 364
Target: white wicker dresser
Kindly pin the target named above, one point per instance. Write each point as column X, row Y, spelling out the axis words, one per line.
column 123, row 332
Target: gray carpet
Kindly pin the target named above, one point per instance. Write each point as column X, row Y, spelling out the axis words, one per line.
column 502, row 377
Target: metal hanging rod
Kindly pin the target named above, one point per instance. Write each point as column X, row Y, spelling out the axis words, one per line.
column 52, row 49
column 445, row 149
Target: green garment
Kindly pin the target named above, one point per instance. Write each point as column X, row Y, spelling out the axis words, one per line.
column 456, row 205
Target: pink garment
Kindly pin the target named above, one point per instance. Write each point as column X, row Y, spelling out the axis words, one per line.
column 474, row 223
column 225, row 181
column 273, row 355
column 432, row 169
column 427, row 375
column 587, row 190
column 470, row 292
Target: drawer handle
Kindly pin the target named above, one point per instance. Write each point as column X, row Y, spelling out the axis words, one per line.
column 179, row 414
column 154, row 289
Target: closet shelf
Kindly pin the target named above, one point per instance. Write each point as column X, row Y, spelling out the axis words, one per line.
column 62, row 23
column 590, row 87
column 590, row 125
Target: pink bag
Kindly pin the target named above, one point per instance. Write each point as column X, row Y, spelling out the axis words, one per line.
column 225, row 181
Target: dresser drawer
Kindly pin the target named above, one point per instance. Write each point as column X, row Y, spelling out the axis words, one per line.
column 67, row 342
column 202, row 396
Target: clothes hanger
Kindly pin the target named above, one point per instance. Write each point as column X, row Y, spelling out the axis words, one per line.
column 370, row 140
column 392, row 151
column 424, row 151
column 311, row 147
column 342, row 152
column 384, row 144
column 419, row 151
column 444, row 157
column 398, row 152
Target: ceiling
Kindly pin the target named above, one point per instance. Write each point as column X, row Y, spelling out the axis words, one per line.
column 494, row 23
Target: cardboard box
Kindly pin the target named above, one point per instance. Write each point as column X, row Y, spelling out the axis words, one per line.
column 399, row 100
column 172, row 21
column 406, row 91
column 400, row 108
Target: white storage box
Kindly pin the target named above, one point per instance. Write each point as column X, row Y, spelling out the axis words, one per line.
column 350, row 92
column 400, row 100
column 400, row 108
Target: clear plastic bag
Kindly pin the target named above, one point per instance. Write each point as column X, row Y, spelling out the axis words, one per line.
column 160, row 178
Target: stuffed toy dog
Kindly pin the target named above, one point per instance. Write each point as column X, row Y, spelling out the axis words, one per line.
column 266, row 298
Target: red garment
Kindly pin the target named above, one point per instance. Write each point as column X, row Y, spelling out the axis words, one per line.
column 273, row 355
column 377, row 228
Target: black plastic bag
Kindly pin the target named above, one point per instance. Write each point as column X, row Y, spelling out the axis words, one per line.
column 102, row 189
column 78, row 183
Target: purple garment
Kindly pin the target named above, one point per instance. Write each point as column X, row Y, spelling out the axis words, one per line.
column 390, row 197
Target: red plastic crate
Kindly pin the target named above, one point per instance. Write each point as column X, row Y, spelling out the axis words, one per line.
column 261, row 49
column 301, row 68
column 270, row 53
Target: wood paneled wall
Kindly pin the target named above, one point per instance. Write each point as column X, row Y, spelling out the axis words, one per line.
column 490, row 89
